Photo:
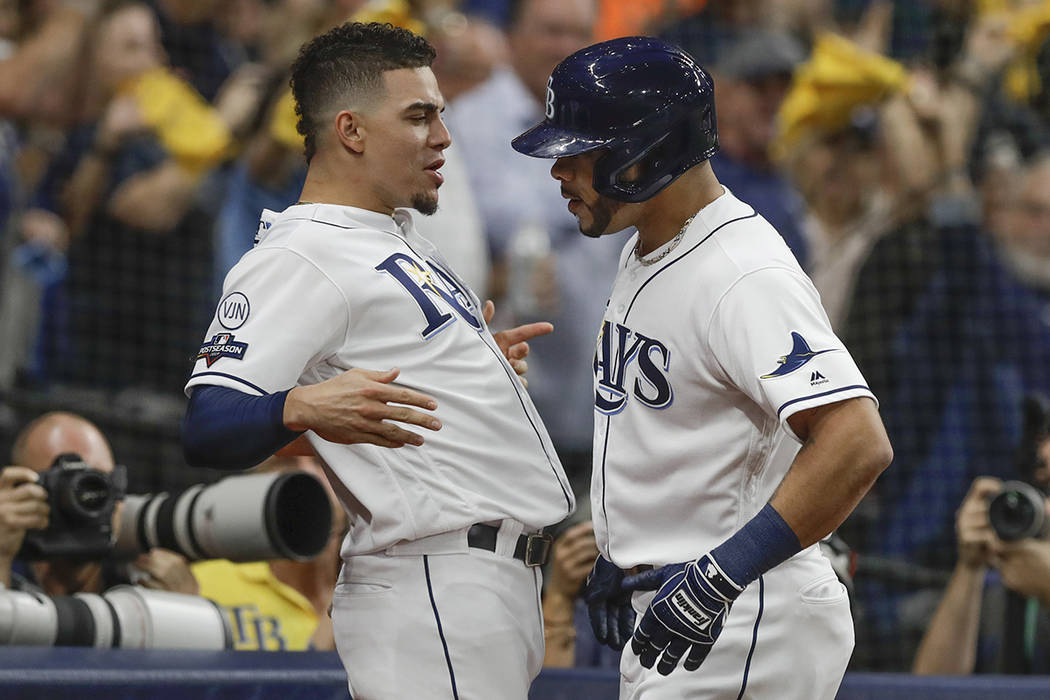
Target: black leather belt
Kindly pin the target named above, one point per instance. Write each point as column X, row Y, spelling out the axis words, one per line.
column 533, row 549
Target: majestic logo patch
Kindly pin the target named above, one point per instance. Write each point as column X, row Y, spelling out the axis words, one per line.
column 233, row 311
column 817, row 378
column 800, row 354
column 221, row 345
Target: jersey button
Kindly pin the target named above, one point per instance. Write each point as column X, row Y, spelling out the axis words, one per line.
column 620, row 308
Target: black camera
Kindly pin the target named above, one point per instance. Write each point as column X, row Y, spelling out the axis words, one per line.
column 82, row 500
column 1018, row 511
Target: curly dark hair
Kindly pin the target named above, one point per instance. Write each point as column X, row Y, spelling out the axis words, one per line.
column 346, row 62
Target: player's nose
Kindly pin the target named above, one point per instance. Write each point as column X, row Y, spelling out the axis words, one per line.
column 440, row 138
column 562, row 170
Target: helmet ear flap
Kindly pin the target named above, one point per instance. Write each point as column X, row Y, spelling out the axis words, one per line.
column 660, row 161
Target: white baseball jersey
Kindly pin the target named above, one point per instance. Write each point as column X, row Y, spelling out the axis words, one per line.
column 329, row 288
column 701, row 359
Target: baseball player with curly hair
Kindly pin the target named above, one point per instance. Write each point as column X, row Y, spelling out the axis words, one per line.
column 345, row 323
column 732, row 428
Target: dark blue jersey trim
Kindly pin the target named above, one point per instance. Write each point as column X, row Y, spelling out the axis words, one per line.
column 752, row 215
column 823, row 393
column 754, row 636
column 605, row 513
column 441, row 633
column 230, row 376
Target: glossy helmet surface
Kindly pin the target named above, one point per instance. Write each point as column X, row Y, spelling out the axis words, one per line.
column 644, row 101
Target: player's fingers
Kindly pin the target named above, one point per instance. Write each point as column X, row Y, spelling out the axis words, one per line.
column 669, row 659
column 645, row 642
column 696, row 656
column 395, row 433
column 408, row 415
column 488, row 310
column 520, row 367
column 597, row 614
column 513, row 336
column 384, row 376
column 625, row 623
column 407, row 397
column 380, row 439
column 518, row 351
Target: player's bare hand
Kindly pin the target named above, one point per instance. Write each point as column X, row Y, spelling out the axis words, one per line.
column 360, row 406
column 977, row 541
column 164, row 570
column 513, row 341
column 574, row 554
column 23, row 506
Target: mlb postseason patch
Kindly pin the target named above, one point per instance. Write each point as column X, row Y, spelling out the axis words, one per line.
column 221, row 345
column 233, row 311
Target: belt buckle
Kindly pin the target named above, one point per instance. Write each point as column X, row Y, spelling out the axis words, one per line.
column 537, row 549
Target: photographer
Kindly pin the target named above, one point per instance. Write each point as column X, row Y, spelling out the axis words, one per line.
column 24, row 506
column 977, row 602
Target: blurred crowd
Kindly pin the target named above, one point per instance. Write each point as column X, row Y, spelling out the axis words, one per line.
column 901, row 148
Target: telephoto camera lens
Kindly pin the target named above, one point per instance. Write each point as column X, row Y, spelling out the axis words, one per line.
column 127, row 617
column 1017, row 512
column 241, row 518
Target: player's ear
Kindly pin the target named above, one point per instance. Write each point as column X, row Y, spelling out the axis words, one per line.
column 348, row 129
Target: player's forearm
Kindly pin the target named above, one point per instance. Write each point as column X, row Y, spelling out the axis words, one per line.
column 950, row 643
column 846, row 449
column 228, row 429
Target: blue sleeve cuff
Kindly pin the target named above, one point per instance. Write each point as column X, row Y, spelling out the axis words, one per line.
column 229, row 429
column 765, row 541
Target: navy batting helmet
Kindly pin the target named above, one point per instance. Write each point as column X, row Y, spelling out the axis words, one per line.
column 645, row 101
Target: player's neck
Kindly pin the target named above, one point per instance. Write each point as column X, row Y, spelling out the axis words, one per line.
column 323, row 186
column 669, row 212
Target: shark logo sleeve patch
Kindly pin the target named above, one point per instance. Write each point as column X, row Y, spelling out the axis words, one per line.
column 800, row 354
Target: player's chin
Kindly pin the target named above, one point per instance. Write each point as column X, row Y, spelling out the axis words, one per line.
column 426, row 203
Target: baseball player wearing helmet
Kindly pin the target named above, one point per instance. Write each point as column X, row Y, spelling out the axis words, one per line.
column 732, row 428
column 439, row 591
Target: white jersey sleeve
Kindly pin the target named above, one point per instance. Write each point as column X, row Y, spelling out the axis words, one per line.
column 262, row 338
column 774, row 341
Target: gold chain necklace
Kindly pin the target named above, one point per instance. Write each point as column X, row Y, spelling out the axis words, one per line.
column 646, row 262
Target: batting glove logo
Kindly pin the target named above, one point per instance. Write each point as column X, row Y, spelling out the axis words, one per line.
column 686, row 616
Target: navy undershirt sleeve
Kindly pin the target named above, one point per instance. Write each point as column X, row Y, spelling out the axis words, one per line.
column 228, row 429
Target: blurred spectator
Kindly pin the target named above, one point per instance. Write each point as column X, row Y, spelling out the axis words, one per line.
column 566, row 628
column 994, row 615
column 836, row 144
column 966, row 634
column 567, row 277
column 24, row 506
column 280, row 605
column 618, row 18
column 751, row 81
column 127, row 186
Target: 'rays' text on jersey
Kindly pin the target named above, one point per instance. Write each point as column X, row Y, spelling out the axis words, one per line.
column 619, row 348
column 429, row 285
